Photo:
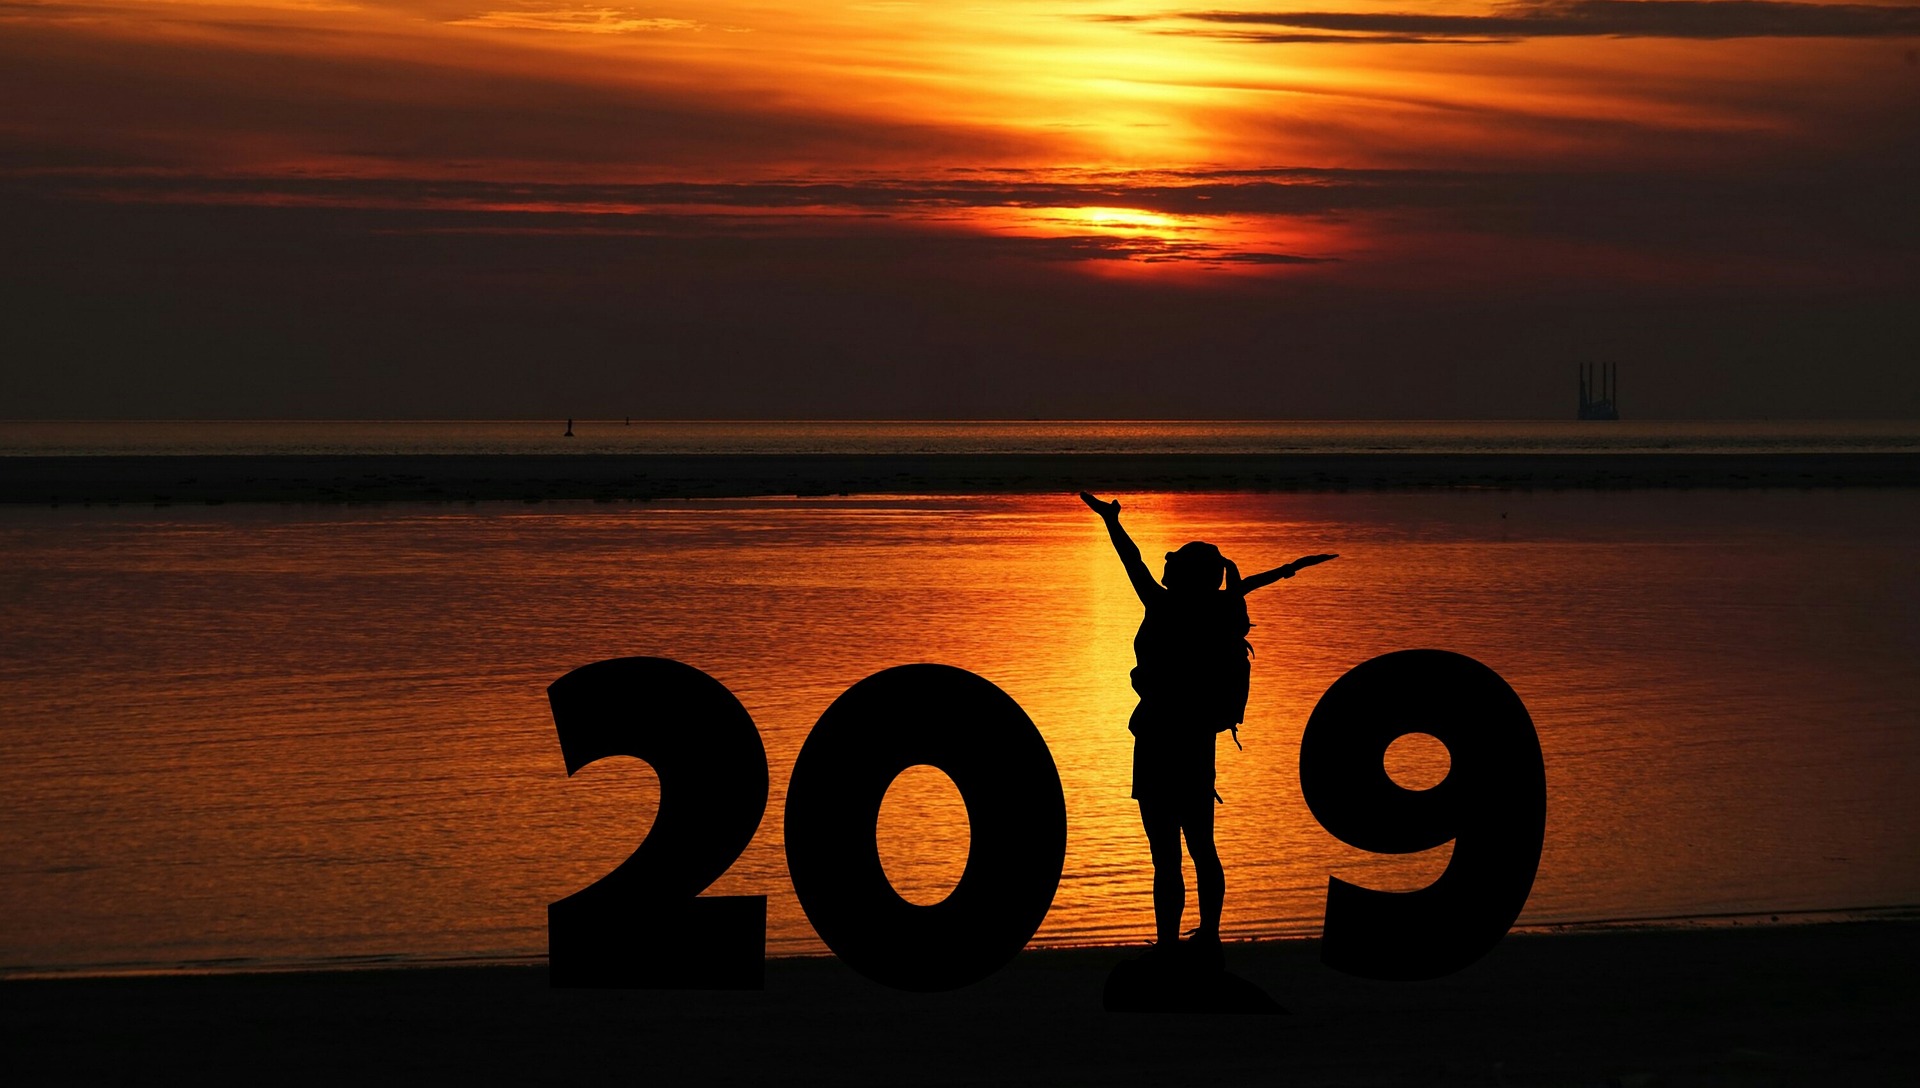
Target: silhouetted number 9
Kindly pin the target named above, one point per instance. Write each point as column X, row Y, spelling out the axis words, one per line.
column 962, row 724
column 643, row 924
column 1492, row 805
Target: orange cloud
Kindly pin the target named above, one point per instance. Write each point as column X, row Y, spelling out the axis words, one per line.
column 725, row 91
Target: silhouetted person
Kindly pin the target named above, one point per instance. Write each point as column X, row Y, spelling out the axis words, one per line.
column 1191, row 673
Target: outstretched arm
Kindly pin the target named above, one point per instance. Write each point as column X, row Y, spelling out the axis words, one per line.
column 1268, row 577
column 1143, row 584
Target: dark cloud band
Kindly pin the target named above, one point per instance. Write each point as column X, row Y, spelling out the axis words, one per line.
column 1692, row 19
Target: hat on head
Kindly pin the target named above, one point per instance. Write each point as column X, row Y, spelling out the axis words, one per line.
column 1197, row 551
column 1194, row 563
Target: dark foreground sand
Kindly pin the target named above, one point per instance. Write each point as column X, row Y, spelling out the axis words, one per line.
column 456, row 478
column 1816, row 1004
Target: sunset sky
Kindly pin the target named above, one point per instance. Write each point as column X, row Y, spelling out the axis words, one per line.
column 1060, row 208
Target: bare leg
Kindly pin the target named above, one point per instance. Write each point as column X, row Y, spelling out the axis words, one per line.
column 1162, row 822
column 1208, row 875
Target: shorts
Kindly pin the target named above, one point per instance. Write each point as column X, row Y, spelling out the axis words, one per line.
column 1172, row 759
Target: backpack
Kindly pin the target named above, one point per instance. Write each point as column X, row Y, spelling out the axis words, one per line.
column 1237, row 678
column 1208, row 650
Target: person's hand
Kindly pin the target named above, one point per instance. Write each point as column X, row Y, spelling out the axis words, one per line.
column 1295, row 567
column 1104, row 509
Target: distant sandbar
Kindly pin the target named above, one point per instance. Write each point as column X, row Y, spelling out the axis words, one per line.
column 643, row 477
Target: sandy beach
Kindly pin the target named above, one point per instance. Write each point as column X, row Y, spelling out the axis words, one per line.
column 1826, row 1003
column 641, row 477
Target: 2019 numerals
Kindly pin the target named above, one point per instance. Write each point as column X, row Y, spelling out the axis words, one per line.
column 646, row 924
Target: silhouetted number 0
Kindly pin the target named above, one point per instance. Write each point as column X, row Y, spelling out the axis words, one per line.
column 1492, row 805
column 646, row 924
column 1016, row 813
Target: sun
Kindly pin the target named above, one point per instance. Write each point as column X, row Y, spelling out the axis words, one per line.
column 1127, row 221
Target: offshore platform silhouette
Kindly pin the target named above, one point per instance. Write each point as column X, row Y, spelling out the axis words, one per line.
column 1607, row 404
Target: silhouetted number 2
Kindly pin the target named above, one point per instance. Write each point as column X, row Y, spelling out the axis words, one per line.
column 962, row 724
column 645, row 923
column 1492, row 805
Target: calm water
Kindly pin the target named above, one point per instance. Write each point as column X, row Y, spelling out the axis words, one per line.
column 1030, row 437
column 297, row 734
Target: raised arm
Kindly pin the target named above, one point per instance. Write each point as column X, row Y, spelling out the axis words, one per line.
column 1144, row 585
column 1268, row 577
